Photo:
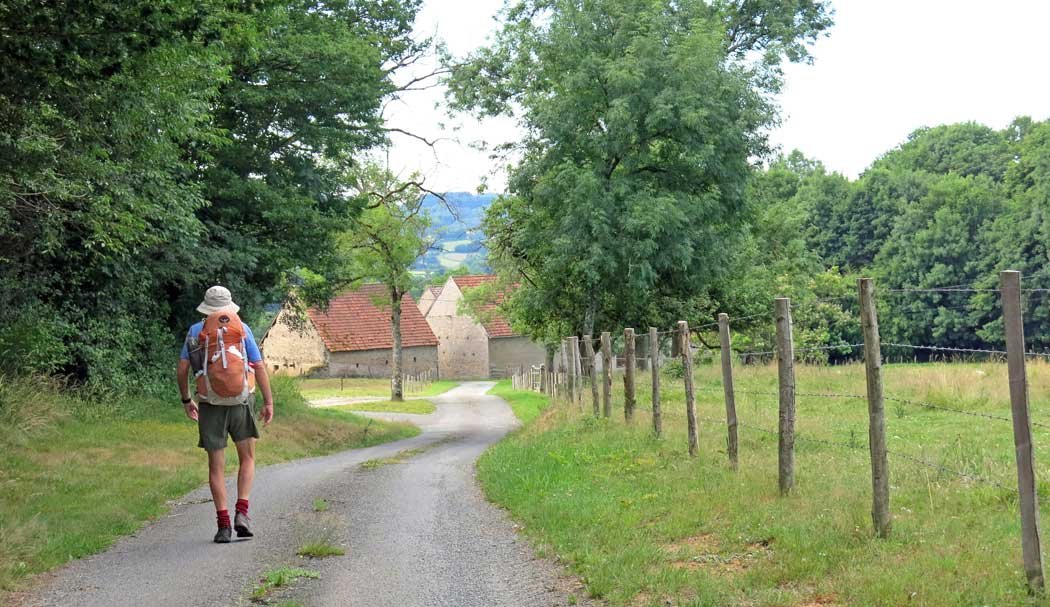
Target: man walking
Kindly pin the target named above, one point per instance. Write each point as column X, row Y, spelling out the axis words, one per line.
column 221, row 353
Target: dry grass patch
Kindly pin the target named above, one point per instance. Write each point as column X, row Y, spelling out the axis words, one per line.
column 704, row 551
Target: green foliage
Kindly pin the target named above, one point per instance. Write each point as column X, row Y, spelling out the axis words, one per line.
column 640, row 122
column 389, row 235
column 673, row 368
column 152, row 149
column 950, row 207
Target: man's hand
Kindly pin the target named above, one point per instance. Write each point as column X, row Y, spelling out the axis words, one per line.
column 267, row 414
column 192, row 410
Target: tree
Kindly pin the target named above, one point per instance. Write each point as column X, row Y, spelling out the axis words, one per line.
column 640, row 120
column 153, row 148
column 308, row 81
column 384, row 242
column 99, row 106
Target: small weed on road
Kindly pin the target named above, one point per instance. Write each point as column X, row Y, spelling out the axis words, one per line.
column 280, row 577
column 320, row 505
column 320, row 550
column 401, row 456
column 415, row 405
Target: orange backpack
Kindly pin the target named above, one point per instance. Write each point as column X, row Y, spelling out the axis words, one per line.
column 226, row 377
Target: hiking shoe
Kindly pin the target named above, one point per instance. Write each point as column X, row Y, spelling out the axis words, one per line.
column 240, row 523
column 222, row 536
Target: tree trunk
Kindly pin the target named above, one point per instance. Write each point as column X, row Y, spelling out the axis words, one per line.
column 588, row 316
column 397, row 392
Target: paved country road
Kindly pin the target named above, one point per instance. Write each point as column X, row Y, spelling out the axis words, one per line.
column 416, row 533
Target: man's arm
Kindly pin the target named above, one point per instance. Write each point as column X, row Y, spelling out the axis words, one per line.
column 182, row 376
column 263, row 381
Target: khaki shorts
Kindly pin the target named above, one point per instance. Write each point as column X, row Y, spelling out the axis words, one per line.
column 215, row 422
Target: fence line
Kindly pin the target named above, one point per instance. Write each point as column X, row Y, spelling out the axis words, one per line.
column 785, row 353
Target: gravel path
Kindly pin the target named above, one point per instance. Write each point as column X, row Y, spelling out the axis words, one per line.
column 417, row 532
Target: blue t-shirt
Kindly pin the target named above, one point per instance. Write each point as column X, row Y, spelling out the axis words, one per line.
column 254, row 355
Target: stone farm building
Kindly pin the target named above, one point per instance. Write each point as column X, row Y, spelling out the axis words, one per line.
column 468, row 348
column 352, row 338
column 427, row 299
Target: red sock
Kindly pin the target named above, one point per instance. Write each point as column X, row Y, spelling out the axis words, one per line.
column 242, row 507
column 223, row 517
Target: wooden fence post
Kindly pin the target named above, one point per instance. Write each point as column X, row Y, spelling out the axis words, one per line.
column 564, row 379
column 606, row 374
column 690, row 390
column 880, row 467
column 588, row 349
column 570, row 370
column 1013, row 321
column 579, row 370
column 727, row 387
column 654, row 367
column 628, row 375
column 786, row 379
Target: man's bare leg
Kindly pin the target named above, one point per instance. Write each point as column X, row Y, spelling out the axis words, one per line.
column 217, row 483
column 216, row 480
column 245, row 477
column 246, row 469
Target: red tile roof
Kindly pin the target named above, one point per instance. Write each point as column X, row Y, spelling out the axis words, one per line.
column 354, row 322
column 436, row 290
column 495, row 324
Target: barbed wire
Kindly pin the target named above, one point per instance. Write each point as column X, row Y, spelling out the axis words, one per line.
column 962, row 350
column 944, row 349
column 807, row 349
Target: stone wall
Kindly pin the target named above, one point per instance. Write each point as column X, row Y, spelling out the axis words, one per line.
column 462, row 343
column 378, row 363
column 291, row 349
column 512, row 352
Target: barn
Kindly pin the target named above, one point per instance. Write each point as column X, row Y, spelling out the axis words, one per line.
column 351, row 338
column 476, row 348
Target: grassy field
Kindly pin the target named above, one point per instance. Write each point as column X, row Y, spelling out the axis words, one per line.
column 418, row 406
column 75, row 474
column 643, row 524
column 314, row 389
column 527, row 406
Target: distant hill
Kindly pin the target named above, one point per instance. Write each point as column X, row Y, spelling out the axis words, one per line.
column 457, row 232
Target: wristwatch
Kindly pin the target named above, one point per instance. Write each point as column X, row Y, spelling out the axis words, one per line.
column 186, row 401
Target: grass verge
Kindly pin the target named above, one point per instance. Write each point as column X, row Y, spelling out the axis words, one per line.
column 418, row 406
column 643, row 524
column 527, row 406
column 77, row 473
column 315, row 389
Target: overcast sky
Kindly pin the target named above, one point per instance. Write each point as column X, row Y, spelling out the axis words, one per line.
column 887, row 68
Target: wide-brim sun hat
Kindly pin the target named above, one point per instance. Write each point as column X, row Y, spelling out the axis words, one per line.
column 215, row 299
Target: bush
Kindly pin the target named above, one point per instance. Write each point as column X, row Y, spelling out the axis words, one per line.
column 32, row 343
column 673, row 368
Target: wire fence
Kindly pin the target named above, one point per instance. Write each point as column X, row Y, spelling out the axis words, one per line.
column 629, row 351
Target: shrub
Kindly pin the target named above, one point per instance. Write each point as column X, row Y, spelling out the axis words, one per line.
column 673, row 368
